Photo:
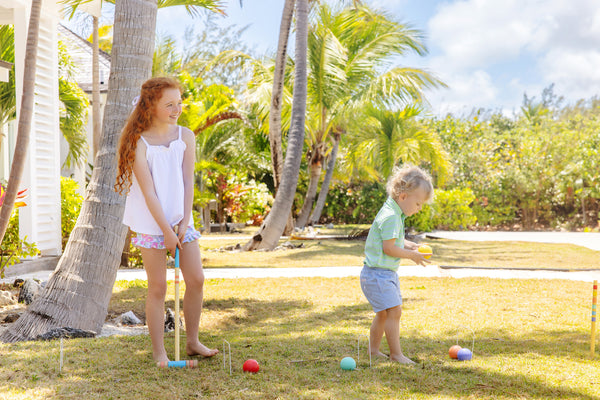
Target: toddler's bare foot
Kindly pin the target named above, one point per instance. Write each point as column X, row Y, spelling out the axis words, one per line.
column 402, row 359
column 198, row 349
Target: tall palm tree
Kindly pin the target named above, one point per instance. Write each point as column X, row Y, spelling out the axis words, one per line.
column 277, row 92
column 269, row 233
column 350, row 53
column 25, row 117
column 78, row 292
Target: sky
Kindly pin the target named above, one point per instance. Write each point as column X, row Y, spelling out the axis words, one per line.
column 489, row 52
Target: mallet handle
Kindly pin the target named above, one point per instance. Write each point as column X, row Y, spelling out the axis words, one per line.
column 176, row 304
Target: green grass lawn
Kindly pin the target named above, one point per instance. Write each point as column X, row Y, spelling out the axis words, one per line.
column 531, row 342
column 317, row 253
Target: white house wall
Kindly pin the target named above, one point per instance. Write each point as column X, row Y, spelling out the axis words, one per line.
column 40, row 220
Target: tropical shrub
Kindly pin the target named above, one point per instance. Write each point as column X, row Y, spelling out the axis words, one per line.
column 239, row 199
column 70, row 205
column 352, row 203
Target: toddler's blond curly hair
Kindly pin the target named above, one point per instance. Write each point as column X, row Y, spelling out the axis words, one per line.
column 407, row 179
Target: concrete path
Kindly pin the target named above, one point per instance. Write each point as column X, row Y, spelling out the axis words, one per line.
column 590, row 240
column 431, row 271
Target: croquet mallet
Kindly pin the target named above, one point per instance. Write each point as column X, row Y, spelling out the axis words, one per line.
column 177, row 363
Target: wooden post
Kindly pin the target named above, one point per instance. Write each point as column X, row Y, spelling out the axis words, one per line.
column 594, row 302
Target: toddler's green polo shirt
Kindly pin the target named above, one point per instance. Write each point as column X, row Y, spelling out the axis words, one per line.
column 388, row 224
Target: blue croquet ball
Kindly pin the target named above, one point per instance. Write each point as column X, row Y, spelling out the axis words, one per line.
column 464, row 355
column 348, row 363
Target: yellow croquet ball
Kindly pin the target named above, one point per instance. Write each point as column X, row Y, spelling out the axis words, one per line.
column 426, row 249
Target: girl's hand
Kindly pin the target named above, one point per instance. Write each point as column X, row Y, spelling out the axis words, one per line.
column 180, row 230
column 171, row 242
column 419, row 258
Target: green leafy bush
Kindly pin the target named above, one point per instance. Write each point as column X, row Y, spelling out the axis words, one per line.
column 451, row 209
column 353, row 203
column 70, row 206
column 13, row 249
column 422, row 221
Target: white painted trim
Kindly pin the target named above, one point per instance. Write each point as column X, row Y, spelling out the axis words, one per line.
column 40, row 219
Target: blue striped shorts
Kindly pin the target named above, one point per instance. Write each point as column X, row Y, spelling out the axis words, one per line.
column 381, row 287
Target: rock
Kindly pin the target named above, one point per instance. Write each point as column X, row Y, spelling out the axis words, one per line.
column 6, row 298
column 65, row 332
column 28, row 291
column 128, row 318
column 329, row 226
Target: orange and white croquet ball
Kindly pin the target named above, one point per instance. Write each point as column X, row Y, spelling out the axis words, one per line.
column 454, row 351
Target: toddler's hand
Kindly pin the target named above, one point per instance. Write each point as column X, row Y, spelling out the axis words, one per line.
column 408, row 245
column 419, row 258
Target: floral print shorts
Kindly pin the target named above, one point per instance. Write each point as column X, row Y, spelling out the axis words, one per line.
column 158, row 241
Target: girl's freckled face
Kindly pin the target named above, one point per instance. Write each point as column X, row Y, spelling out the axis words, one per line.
column 168, row 108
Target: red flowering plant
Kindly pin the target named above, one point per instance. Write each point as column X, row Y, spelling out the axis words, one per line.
column 13, row 248
column 239, row 199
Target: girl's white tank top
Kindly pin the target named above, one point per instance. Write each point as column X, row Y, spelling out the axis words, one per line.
column 166, row 167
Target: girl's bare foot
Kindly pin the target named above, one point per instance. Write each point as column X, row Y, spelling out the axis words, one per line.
column 162, row 357
column 377, row 353
column 402, row 359
column 198, row 349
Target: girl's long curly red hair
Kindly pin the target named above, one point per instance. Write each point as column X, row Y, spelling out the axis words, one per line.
column 139, row 121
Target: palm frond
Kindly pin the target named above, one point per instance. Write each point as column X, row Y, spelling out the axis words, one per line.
column 8, row 99
column 399, row 86
column 195, row 7
column 73, row 120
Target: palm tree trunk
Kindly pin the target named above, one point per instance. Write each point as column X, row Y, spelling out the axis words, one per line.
column 96, row 121
column 315, row 169
column 316, row 214
column 25, row 117
column 277, row 93
column 311, row 192
column 79, row 290
column 269, row 233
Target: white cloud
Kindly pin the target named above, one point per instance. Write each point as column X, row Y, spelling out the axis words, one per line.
column 575, row 72
column 541, row 41
column 464, row 92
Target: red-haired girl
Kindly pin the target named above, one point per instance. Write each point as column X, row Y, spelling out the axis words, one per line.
column 156, row 170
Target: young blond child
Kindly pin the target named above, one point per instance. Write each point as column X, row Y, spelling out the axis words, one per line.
column 156, row 170
column 408, row 189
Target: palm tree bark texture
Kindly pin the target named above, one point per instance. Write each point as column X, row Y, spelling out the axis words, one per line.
column 269, row 233
column 78, row 292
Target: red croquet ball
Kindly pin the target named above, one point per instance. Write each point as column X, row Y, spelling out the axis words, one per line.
column 454, row 351
column 251, row 366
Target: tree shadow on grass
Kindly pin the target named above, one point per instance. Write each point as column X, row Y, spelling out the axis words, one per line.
column 299, row 345
column 435, row 376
